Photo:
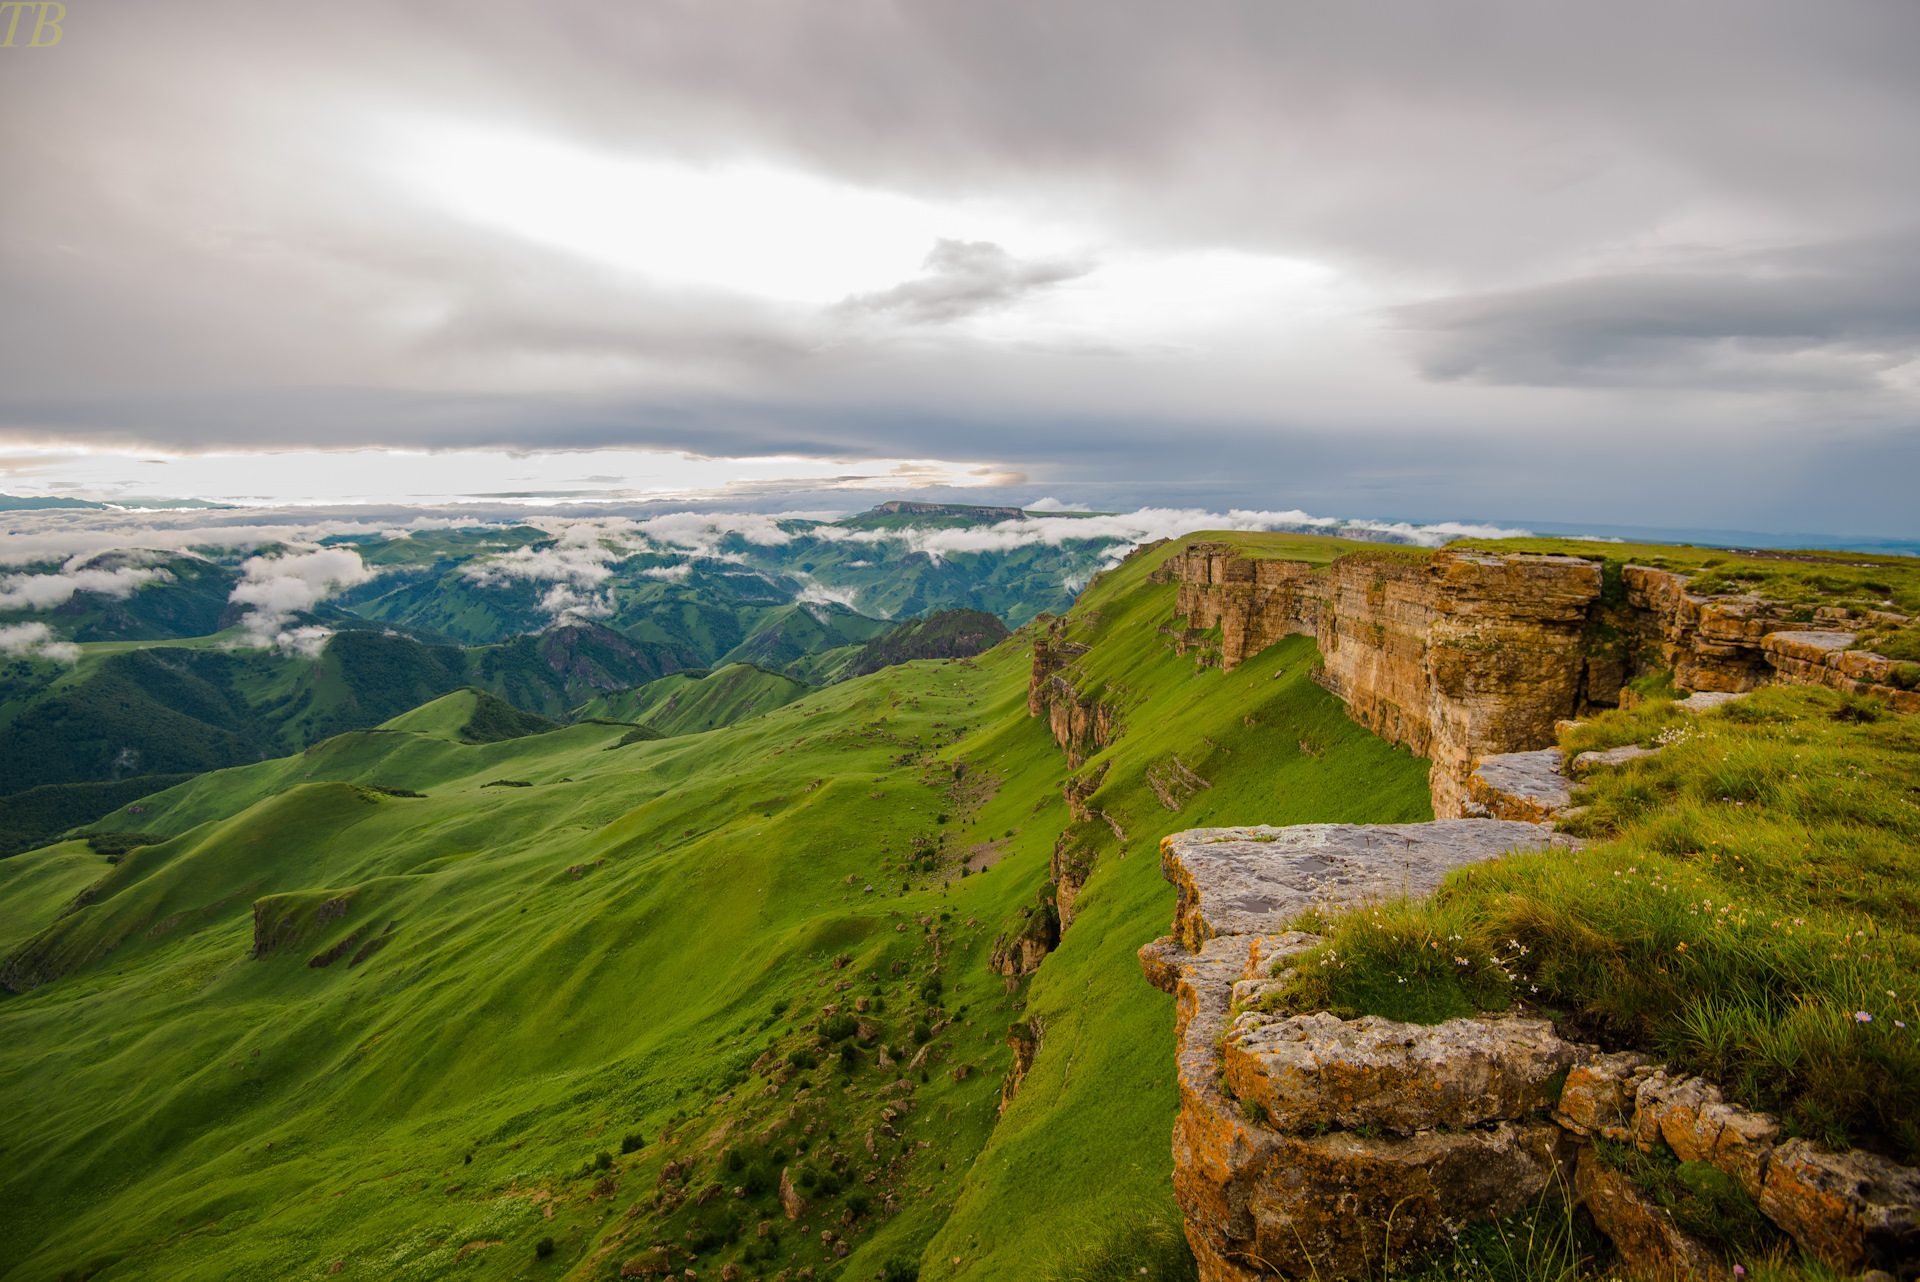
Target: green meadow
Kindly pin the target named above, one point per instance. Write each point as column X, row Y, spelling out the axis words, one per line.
column 565, row 1009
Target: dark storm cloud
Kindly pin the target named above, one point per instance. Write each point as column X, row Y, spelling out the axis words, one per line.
column 1834, row 316
column 1587, row 198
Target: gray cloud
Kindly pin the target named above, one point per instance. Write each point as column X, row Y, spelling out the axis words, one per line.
column 963, row 278
column 1832, row 316
column 193, row 254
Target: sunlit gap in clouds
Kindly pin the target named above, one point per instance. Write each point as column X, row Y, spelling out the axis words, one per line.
column 742, row 227
column 387, row 476
column 789, row 238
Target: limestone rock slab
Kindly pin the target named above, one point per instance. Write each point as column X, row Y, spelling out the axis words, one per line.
column 1253, row 881
column 1319, row 1070
column 1335, row 1206
column 1521, row 785
column 1612, row 757
column 1651, row 1245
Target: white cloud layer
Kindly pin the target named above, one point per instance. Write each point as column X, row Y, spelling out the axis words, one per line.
column 279, row 587
column 36, row 639
column 45, row 591
column 1131, row 529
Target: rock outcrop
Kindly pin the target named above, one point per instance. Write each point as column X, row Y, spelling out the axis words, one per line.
column 1310, row 1146
column 1252, row 881
column 1261, row 1191
column 1464, row 655
column 1456, row 655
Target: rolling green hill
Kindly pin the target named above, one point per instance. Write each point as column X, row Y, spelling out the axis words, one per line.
column 696, row 700
column 189, row 706
column 578, row 991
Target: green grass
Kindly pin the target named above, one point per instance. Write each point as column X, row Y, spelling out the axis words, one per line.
column 698, row 700
column 1809, row 577
column 1549, row 1240
column 1748, row 911
column 600, row 955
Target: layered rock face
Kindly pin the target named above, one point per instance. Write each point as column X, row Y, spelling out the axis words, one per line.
column 1463, row 655
column 1313, row 1147
column 1455, row 655
column 1422, row 1144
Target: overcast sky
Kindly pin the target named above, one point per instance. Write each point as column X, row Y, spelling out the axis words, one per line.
column 1629, row 263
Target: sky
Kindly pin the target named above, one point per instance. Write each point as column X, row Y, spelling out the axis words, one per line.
column 1627, row 265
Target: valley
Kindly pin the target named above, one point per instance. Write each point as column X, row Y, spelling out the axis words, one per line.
column 846, row 983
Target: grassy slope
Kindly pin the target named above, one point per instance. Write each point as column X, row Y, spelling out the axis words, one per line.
column 686, row 704
column 597, row 954
column 1086, row 1144
column 1748, row 899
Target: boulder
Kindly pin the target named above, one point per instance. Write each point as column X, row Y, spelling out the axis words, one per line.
column 1317, row 1070
column 1160, row 961
column 791, row 1202
column 1848, row 1209
column 650, row 1263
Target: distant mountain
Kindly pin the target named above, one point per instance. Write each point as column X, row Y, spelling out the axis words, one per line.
column 945, row 634
column 20, row 503
column 171, row 709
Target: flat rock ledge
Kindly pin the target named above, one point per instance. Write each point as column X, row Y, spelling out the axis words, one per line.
column 1253, row 881
column 1312, row 1147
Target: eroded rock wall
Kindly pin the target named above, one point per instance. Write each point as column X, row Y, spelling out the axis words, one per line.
column 1452, row 654
column 1460, row 655
column 1308, row 1146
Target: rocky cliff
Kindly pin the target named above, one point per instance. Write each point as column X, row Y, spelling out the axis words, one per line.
column 1308, row 1146
column 1454, row 654
column 1460, row 655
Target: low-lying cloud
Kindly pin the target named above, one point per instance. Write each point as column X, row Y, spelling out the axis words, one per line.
column 46, row 591
column 36, row 639
column 1130, row 529
column 280, row 587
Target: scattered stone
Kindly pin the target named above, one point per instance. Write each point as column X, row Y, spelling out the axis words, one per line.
column 791, row 1202
column 1611, row 757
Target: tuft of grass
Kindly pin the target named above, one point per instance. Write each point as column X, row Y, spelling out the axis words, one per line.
column 1550, row 1241
column 1139, row 1244
column 1750, row 910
